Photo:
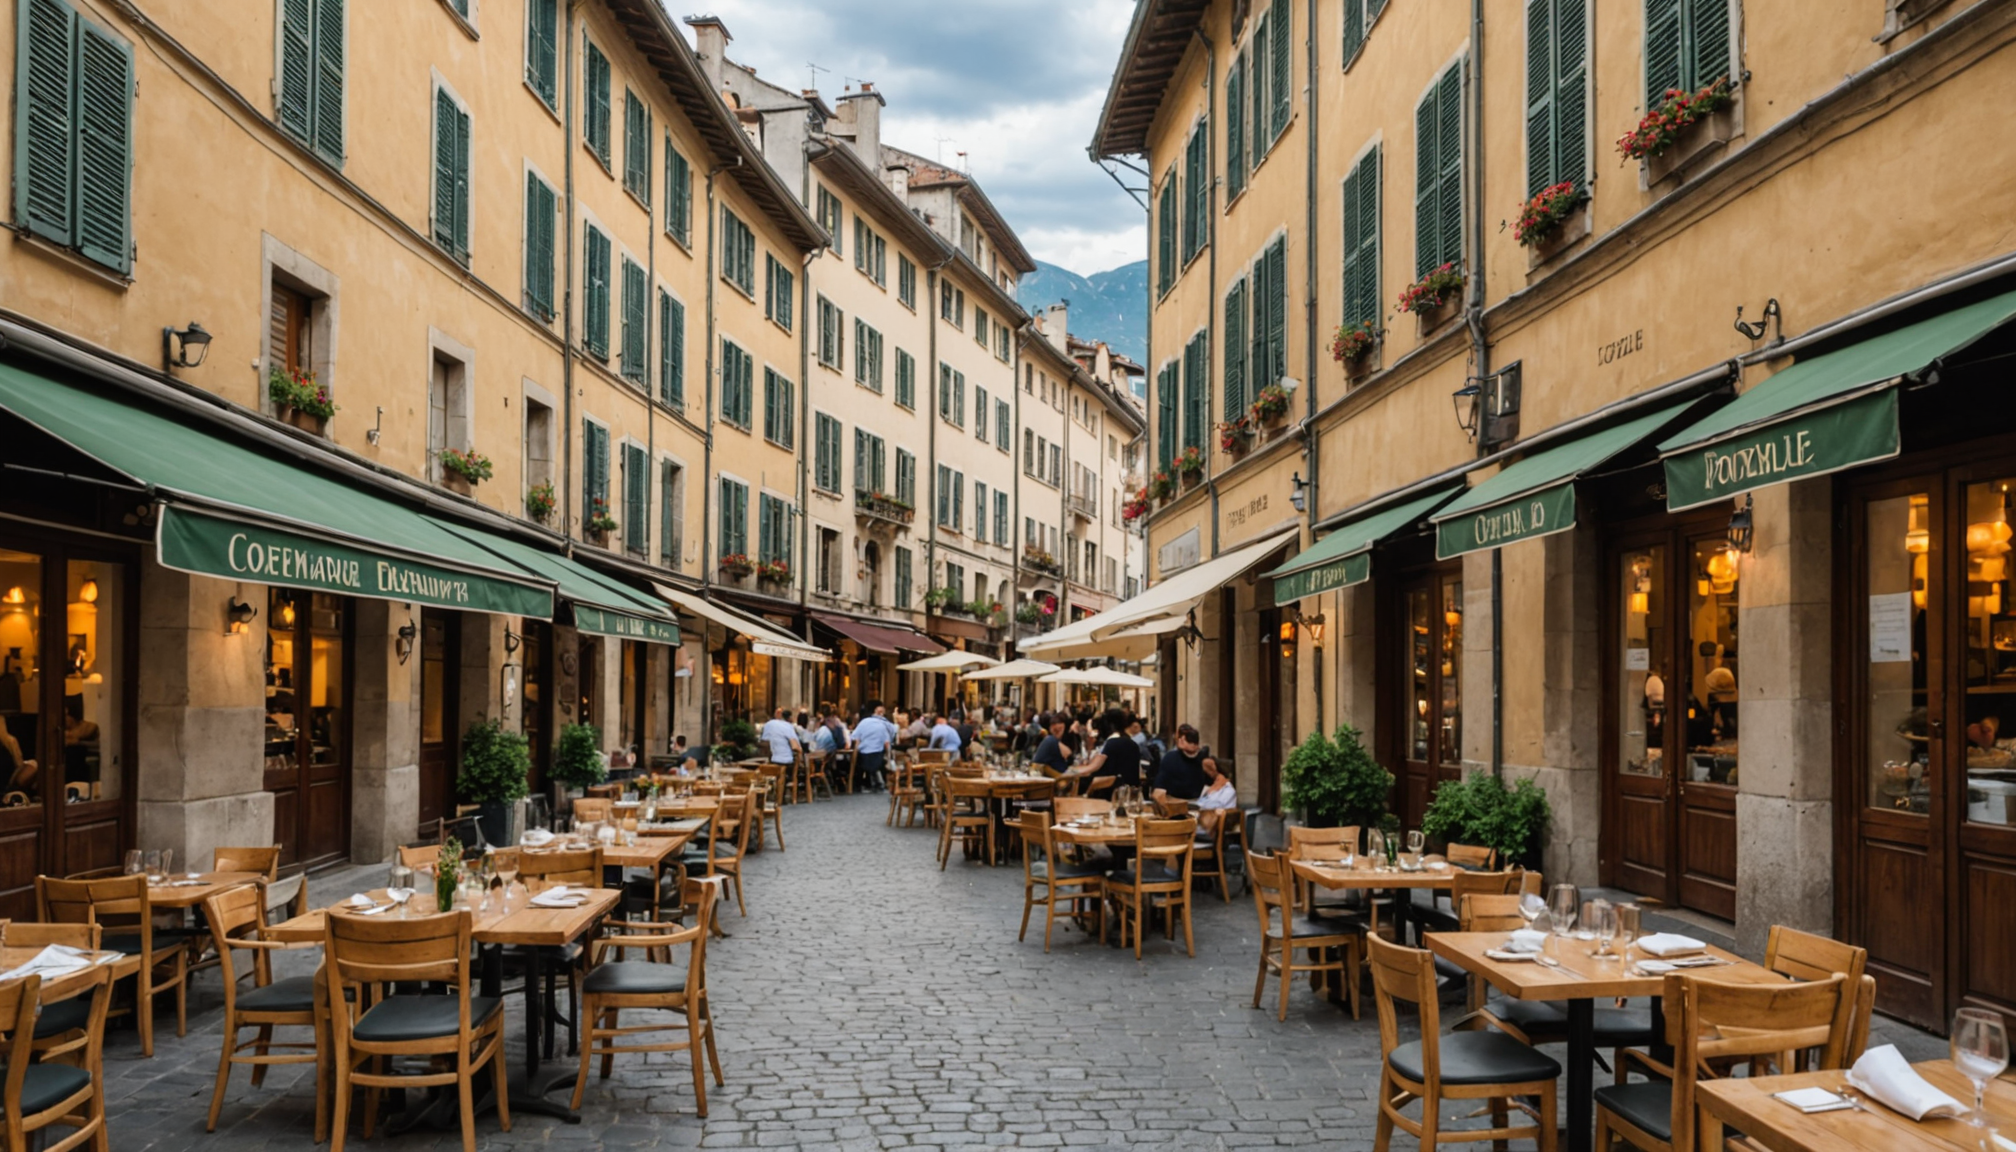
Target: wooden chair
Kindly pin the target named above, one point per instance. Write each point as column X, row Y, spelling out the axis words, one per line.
column 1061, row 880
column 1471, row 857
column 578, row 868
column 609, row 791
column 120, row 907
column 1322, row 844
column 815, row 774
column 1333, row 943
column 593, row 808
column 62, row 1025
column 1160, row 873
column 289, row 896
column 1172, row 808
column 454, row 1032
column 1431, row 918
column 739, row 821
column 966, row 814
column 1807, row 956
column 907, row 796
column 770, row 808
column 611, row 987
column 1101, row 786
column 1482, row 1065
column 1076, row 807
column 1709, row 1023
column 418, row 856
column 237, row 920
column 67, row 1090
column 1211, row 860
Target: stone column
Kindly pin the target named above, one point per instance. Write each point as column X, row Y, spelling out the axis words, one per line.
column 202, row 717
column 1571, row 695
column 384, row 732
column 1354, row 637
column 1785, row 782
column 1474, row 682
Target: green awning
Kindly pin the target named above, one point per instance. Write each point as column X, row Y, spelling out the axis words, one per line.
column 1822, row 415
column 1344, row 557
column 602, row 606
column 233, row 512
column 1536, row 496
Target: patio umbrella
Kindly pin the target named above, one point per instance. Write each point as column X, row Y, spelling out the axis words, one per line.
column 1104, row 677
column 947, row 662
column 1014, row 670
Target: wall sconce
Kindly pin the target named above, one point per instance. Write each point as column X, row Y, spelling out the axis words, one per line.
column 184, row 347
column 1465, row 399
column 1452, row 617
column 287, row 613
column 1314, row 626
column 1769, row 319
column 403, row 645
column 88, row 591
column 1739, row 527
column 1298, row 496
column 511, row 641
column 239, row 616
column 1287, row 639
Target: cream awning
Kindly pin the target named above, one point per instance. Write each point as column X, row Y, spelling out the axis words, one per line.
column 1014, row 670
column 1103, row 677
column 952, row 661
column 1172, row 598
column 763, row 639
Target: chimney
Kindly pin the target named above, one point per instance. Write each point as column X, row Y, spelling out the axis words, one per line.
column 897, row 176
column 712, row 46
column 863, row 111
column 1056, row 325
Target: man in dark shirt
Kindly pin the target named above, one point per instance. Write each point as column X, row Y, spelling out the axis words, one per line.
column 1050, row 754
column 1180, row 776
column 1118, row 757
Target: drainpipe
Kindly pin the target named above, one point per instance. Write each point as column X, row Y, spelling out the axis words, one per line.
column 1064, row 502
column 1311, row 458
column 1480, row 352
column 931, row 427
column 804, row 416
column 1016, row 542
column 1211, row 249
column 708, row 539
column 567, row 301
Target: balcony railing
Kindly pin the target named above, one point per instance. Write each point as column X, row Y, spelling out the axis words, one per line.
column 1084, row 505
column 881, row 506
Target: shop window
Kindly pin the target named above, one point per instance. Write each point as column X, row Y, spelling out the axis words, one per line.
column 1712, row 652
column 1646, row 663
column 1898, row 549
column 1990, row 638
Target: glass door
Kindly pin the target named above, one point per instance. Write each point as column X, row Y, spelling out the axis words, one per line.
column 1641, row 710
column 307, row 726
column 440, row 651
column 1431, row 668
column 1706, row 830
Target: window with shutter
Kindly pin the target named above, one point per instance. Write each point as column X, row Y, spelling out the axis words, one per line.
column 451, row 175
column 906, row 476
column 1196, row 391
column 595, row 119
column 1196, row 193
column 594, row 469
column 959, row 398
column 671, row 512
column 678, row 195
column 906, row 379
column 734, row 517
column 1000, row 518
column 1438, row 174
column 1235, row 128
column 980, row 511
column 1165, row 415
column 780, row 300
column 1002, row 431
column 980, row 413
column 738, row 253
column 595, row 293
column 671, row 350
column 1259, row 78
column 1165, row 235
column 1361, row 242
column 636, row 500
column 906, row 282
column 310, row 88
column 903, row 589
column 1557, row 100
column 958, row 501
column 542, row 53
column 636, row 333
column 1234, row 398
column 1281, row 85
column 736, row 382
column 779, row 412
column 944, row 487
column 541, row 206
column 1687, row 46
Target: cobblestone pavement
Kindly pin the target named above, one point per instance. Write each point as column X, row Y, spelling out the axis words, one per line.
column 870, row 1001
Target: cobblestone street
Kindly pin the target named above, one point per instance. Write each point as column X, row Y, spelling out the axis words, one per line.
column 870, row 1000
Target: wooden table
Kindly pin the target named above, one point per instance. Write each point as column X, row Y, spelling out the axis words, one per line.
column 1579, row 982
column 70, row 984
column 1746, row 1104
column 181, row 895
column 1102, row 833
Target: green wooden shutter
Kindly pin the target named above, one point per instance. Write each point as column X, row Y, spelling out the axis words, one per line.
column 1196, row 391
column 678, row 194
column 1275, row 294
column 1427, row 180
column 1571, row 92
column 1708, row 41
column 1235, row 128
column 1540, row 74
column 1449, row 198
column 1354, row 28
column 860, row 460
column 104, row 146
column 595, row 301
column 597, row 121
column 542, row 57
column 1165, row 405
column 1165, row 235
column 1284, row 43
column 668, row 533
column 1259, row 79
column 766, row 516
column 594, row 465
column 451, row 175
column 636, row 146
column 1361, row 250
column 329, row 79
column 636, row 499
column 1235, row 351
column 297, row 67
column 539, row 210
column 45, row 139
column 635, row 335
column 671, row 350
column 1662, row 50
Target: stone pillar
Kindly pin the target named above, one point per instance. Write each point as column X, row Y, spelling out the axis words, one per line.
column 202, row 717
column 1571, row 703
column 1354, row 636
column 566, row 686
column 1785, row 782
column 658, row 735
column 609, row 703
column 384, row 732
column 1475, row 679
column 481, row 681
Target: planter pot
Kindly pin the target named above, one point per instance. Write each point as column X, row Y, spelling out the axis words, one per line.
column 1696, row 143
column 596, row 536
column 494, row 819
column 1572, row 228
column 1429, row 319
column 307, row 422
column 1191, row 480
column 456, row 482
column 1358, row 367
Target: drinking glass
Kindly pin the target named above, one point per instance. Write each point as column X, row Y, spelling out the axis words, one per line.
column 1561, row 908
column 153, row 867
column 134, row 862
column 1600, row 917
column 1375, row 847
column 399, row 886
column 167, row 863
column 1627, row 926
column 1980, row 1052
column 1530, row 907
column 1416, row 841
column 507, row 871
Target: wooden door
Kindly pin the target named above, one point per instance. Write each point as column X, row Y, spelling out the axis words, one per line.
column 1429, row 722
column 1638, row 728
column 308, row 726
column 440, row 682
column 1706, row 830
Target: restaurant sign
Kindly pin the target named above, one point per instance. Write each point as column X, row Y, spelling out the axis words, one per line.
column 603, row 622
column 1540, row 513
column 1811, row 443
column 208, row 545
column 1343, row 573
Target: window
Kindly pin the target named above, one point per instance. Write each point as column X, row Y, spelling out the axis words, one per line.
column 871, row 253
column 1165, row 415
column 906, row 477
column 1281, row 83
column 1029, row 378
column 538, row 444
column 542, row 49
column 779, row 288
column 903, row 589
column 448, row 407
column 1358, row 18
column 1028, row 451
column 636, row 500
column 829, row 216
column 826, row 453
column 1056, row 465
column 1001, row 343
column 291, row 333
column 1000, row 517
column 1165, row 235
column 636, row 311
column 1438, row 174
column 906, row 379
column 1235, row 126
column 906, row 282
column 636, row 147
column 738, row 400
column 594, row 470
column 955, row 579
column 541, row 205
column 980, row 327
column 1029, row 534
column 773, row 530
column 738, row 253
column 1196, row 390
column 951, row 498
column 869, row 465
column 671, row 512
column 678, row 195
column 951, row 394
column 980, row 511
column 734, row 518
column 1686, row 46
column 1091, row 569
column 671, row 350
column 832, row 335
column 1557, row 92
column 829, row 561
column 867, row 356
column 980, row 414
column 1197, row 187
column 451, row 175
column 1361, row 242
column 311, row 72
column 1002, row 431
column 595, row 293
column 595, row 118
column 1233, row 393
column 778, row 411
column 1268, row 319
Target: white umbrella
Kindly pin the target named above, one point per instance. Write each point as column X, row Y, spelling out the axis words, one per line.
column 1014, row 670
column 947, row 662
column 1104, row 677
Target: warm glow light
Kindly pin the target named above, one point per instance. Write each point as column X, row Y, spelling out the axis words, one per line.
column 1989, row 537
column 15, row 596
column 1917, row 541
column 1453, row 618
column 88, row 591
column 1990, row 568
column 287, row 613
column 1641, row 603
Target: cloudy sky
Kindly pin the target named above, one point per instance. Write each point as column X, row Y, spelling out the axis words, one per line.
column 1017, row 87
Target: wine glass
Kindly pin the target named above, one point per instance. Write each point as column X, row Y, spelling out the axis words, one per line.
column 135, row 861
column 1531, row 905
column 507, row 871
column 1561, row 908
column 1375, row 847
column 1980, row 1051
column 167, row 864
column 152, row 865
column 1600, row 917
column 1416, row 841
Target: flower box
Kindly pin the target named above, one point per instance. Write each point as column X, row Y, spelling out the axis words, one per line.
column 880, row 506
column 1434, row 298
column 596, row 536
column 307, row 422
column 1575, row 227
column 457, row 483
column 1702, row 138
column 1682, row 130
column 1427, row 320
column 736, row 567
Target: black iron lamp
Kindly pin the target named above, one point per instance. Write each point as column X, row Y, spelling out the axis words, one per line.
column 1739, row 531
column 184, row 347
column 1298, row 496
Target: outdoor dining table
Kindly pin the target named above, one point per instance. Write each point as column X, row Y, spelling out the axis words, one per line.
column 1747, row 1105
column 525, row 926
column 1579, row 981
column 55, row 988
column 189, row 891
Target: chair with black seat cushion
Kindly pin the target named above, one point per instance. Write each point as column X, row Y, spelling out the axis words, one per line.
column 455, row 1032
column 1712, row 1024
column 120, row 907
column 579, row 868
column 1484, row 1065
column 68, row 1089
column 61, row 1025
column 1305, row 843
column 1062, row 881
column 615, row 986
column 1158, row 875
column 1332, row 944
column 237, row 921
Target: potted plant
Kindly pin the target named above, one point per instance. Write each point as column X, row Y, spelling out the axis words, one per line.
column 1270, row 407
column 938, row 599
column 1332, row 780
column 540, row 502
column 1429, row 297
column 738, row 740
column 737, row 565
column 1190, row 465
column 773, row 572
column 599, row 523
column 447, row 874
column 1039, row 560
column 1543, row 220
column 462, row 471
column 1163, row 485
column 1028, row 612
column 1668, row 137
column 577, row 757
column 300, row 400
column 1235, row 436
column 1353, row 344
column 1483, row 811
column 1136, row 507
column 495, row 764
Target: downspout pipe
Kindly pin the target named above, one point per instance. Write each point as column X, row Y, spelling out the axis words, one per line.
column 1480, row 349
column 1311, row 457
column 709, row 539
column 1210, row 246
column 804, row 421
column 567, row 504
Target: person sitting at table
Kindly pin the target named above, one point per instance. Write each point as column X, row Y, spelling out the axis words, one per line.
column 919, row 729
column 1050, row 758
column 782, row 737
column 873, row 737
column 1118, row 755
column 964, row 726
column 1181, row 775
column 1218, row 797
column 944, row 737
column 830, row 735
column 684, row 755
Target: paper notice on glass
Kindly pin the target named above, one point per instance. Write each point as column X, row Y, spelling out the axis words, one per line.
column 1890, row 628
column 1637, row 659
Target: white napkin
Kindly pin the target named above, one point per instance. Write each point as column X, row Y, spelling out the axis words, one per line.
column 360, row 900
column 1526, row 940
column 535, row 837
column 1889, row 1079
column 561, row 897
column 1669, row 944
column 55, row 960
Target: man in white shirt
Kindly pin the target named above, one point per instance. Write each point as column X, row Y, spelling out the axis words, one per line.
column 872, row 739
column 944, row 737
column 782, row 737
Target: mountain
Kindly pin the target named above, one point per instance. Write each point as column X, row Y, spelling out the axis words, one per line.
column 1110, row 306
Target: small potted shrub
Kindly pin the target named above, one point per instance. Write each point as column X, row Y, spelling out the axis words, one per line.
column 1270, row 407
column 1353, row 344
column 1331, row 781
column 1483, row 811
column 599, row 523
column 1235, row 436
column 773, row 572
column 577, row 758
column 540, row 502
column 495, row 765
column 1686, row 125
column 1430, row 297
column 462, row 471
column 1163, row 486
column 1190, row 465
column 738, row 740
column 300, row 400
